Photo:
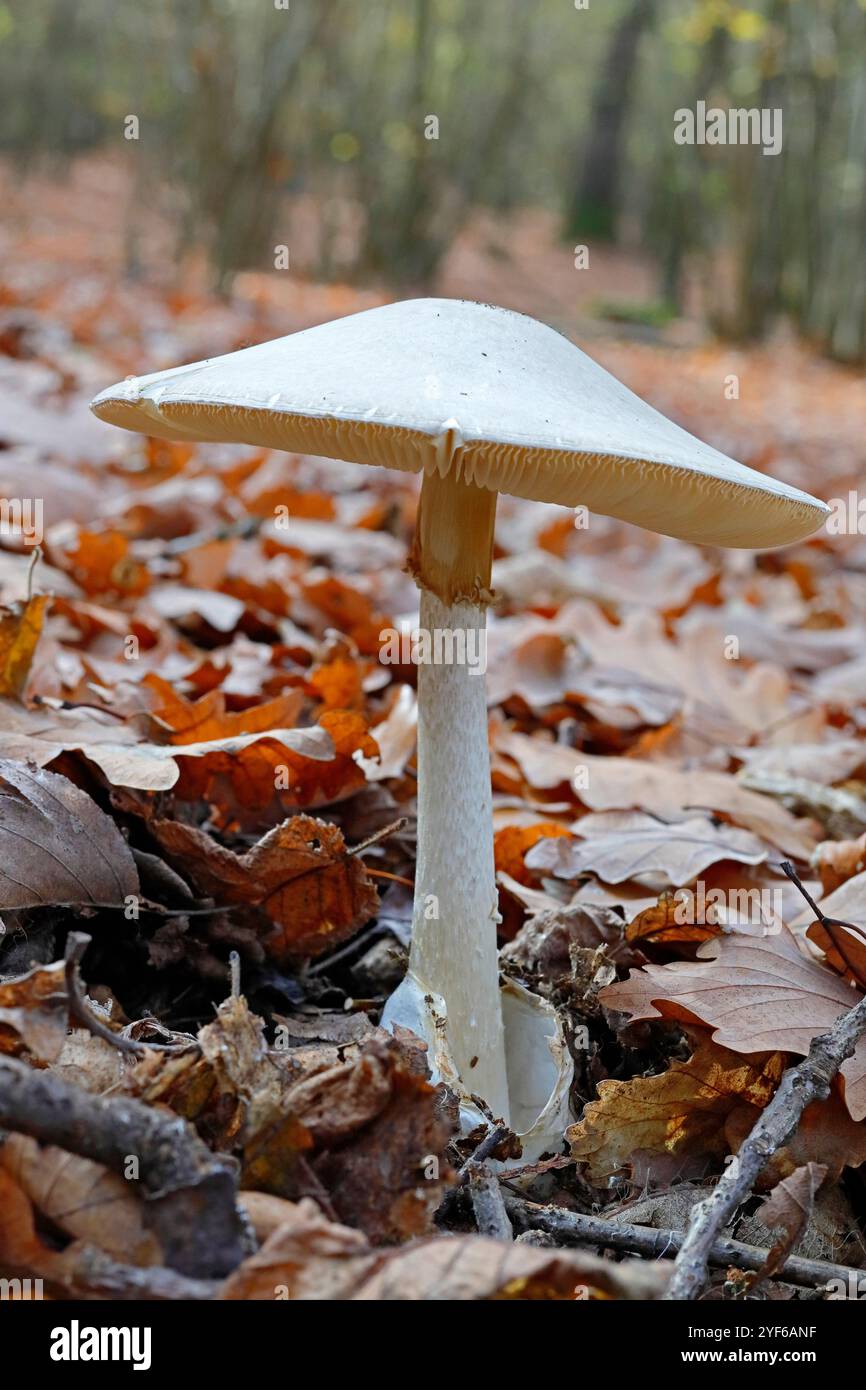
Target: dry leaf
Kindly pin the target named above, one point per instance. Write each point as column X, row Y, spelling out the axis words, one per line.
column 660, row 789
column 791, row 1201
column 103, row 564
column 839, row 860
column 757, row 994
column 672, row 920
column 844, row 948
column 128, row 760
column 20, row 629
column 299, row 875
column 363, row 1119
column 310, row 1257
column 395, row 739
column 56, row 845
column 83, row 1199
column 34, row 1012
column 512, row 842
column 682, row 1112
column 619, row 845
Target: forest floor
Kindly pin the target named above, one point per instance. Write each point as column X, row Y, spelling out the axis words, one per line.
column 172, row 649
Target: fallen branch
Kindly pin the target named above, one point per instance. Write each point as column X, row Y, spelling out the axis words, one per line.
column 800, row 1086
column 577, row 1229
column 189, row 1193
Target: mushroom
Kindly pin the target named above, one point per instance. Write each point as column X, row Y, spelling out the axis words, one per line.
column 479, row 400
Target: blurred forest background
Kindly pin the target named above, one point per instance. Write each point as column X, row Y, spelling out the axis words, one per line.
column 261, row 124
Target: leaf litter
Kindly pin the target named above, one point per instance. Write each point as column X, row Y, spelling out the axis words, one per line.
column 203, row 761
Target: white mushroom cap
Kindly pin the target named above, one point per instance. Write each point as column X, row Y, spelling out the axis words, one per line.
column 489, row 396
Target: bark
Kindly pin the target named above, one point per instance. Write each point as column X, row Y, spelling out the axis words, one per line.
column 189, row 1192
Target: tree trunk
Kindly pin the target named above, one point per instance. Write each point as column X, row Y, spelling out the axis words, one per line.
column 594, row 208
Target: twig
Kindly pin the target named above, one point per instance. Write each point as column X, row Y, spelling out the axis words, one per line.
column 488, row 1204
column 488, row 1146
column 77, row 943
column 235, row 973
column 379, row 835
column 496, row 1135
column 35, row 557
column 94, row 1272
column 800, row 1085
column 656, row 1243
column 189, row 1193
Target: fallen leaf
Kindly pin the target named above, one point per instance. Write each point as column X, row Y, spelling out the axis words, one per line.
column 839, row 860
column 34, row 1012
column 102, row 564
column 672, row 920
column 680, row 1112
column 20, row 628
column 309, row 1257
column 844, row 948
column 512, row 842
column 791, row 1202
column 610, row 784
column 57, row 846
column 362, row 1122
column 388, row 1175
column 395, row 739
column 83, row 1199
column 128, row 760
column 299, row 875
column 757, row 994
column 620, row 845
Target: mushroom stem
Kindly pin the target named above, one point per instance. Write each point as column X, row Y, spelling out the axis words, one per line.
column 454, row 951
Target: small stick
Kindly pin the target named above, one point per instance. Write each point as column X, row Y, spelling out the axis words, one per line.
column 491, row 1141
column 392, row 878
column 235, row 974
column 379, row 835
column 488, row 1204
column 93, row 1271
column 576, row 1228
column 77, row 943
column 800, row 1085
column 488, row 1145
column 35, row 557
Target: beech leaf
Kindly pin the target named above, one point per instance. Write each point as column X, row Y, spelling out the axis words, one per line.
column 56, row 845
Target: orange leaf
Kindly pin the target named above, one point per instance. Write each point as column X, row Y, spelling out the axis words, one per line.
column 511, row 843
column 315, row 894
column 20, row 627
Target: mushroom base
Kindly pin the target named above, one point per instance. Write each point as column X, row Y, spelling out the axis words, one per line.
column 539, row 1065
